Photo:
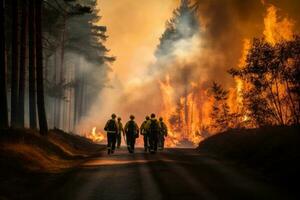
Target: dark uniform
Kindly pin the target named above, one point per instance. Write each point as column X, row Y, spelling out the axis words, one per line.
column 145, row 134
column 111, row 128
column 162, row 134
column 121, row 131
column 153, row 129
column 132, row 132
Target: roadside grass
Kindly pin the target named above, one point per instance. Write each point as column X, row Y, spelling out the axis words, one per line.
column 272, row 151
column 29, row 161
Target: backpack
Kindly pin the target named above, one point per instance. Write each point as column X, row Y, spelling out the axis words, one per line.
column 131, row 127
column 154, row 129
column 111, row 126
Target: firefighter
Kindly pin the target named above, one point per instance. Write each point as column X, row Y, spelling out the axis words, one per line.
column 111, row 128
column 121, row 131
column 132, row 132
column 153, row 129
column 162, row 134
column 145, row 133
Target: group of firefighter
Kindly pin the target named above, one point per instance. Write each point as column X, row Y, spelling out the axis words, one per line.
column 153, row 131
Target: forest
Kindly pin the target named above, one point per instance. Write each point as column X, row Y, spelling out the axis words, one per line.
column 46, row 81
column 108, row 99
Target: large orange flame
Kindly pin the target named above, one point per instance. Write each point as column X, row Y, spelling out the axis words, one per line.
column 277, row 29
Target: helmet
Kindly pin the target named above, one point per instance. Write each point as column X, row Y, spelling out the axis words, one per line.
column 152, row 115
column 131, row 117
column 113, row 116
column 147, row 117
column 119, row 119
column 160, row 119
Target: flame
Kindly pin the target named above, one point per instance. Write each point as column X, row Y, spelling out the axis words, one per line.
column 187, row 115
column 182, row 117
column 94, row 135
column 277, row 29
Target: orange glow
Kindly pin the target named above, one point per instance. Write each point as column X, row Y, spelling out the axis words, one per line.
column 277, row 29
column 185, row 105
column 182, row 118
column 95, row 135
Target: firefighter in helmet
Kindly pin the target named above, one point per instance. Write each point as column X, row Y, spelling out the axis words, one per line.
column 120, row 132
column 162, row 134
column 111, row 127
column 132, row 132
column 153, row 129
column 145, row 134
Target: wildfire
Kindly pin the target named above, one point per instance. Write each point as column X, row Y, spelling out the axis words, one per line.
column 187, row 114
column 95, row 135
column 181, row 117
column 277, row 29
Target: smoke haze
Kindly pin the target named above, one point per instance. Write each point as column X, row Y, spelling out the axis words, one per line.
column 134, row 29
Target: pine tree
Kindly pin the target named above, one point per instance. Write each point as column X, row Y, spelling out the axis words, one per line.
column 32, row 66
column 39, row 70
column 220, row 115
column 22, row 71
column 15, row 63
column 183, row 25
column 3, row 87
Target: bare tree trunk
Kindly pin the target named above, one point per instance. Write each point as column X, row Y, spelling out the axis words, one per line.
column 23, row 50
column 76, row 94
column 55, row 98
column 39, row 70
column 32, row 66
column 15, row 63
column 61, row 102
column 3, row 88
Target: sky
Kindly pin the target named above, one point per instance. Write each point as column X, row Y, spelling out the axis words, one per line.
column 134, row 29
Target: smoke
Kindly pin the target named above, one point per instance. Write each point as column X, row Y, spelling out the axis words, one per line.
column 189, row 62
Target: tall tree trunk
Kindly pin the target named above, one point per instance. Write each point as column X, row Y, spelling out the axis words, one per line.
column 32, row 66
column 22, row 71
column 15, row 63
column 3, row 91
column 76, row 95
column 39, row 69
column 61, row 101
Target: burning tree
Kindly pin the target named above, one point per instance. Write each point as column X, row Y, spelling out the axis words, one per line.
column 181, row 106
column 271, row 72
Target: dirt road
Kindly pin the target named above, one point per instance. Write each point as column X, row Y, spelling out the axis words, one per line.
column 172, row 174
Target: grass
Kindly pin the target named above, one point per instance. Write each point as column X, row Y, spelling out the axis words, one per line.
column 272, row 151
column 29, row 161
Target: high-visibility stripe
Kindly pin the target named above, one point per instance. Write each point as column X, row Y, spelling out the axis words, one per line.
column 111, row 131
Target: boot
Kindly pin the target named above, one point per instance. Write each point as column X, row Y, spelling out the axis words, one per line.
column 108, row 151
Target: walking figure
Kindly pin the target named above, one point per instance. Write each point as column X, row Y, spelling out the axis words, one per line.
column 153, row 129
column 111, row 128
column 132, row 132
column 162, row 134
column 145, row 133
column 120, row 132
